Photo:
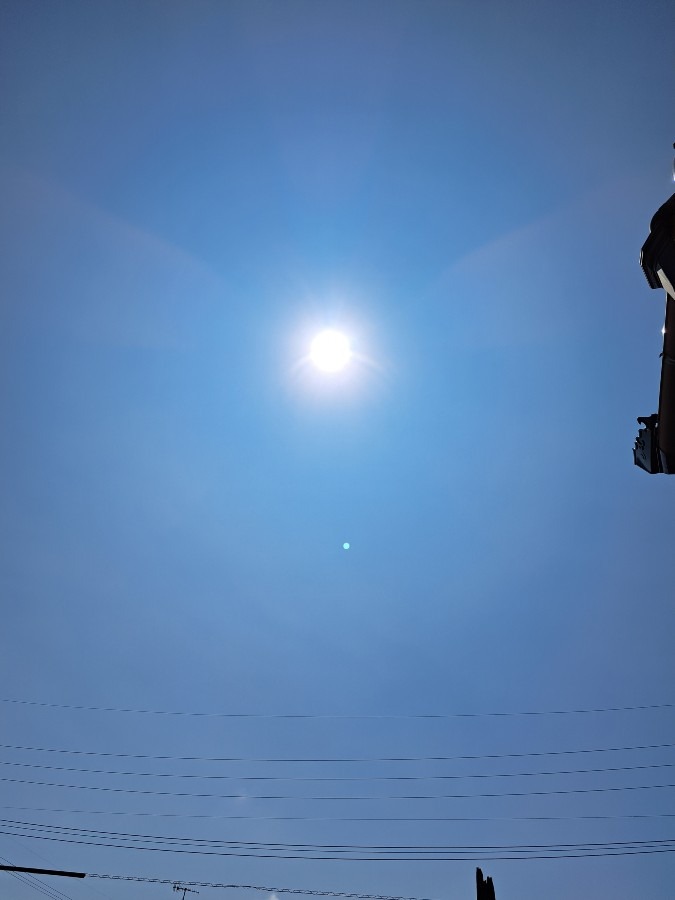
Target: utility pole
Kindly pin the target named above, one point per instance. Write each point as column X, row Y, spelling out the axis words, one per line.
column 654, row 449
column 185, row 889
column 485, row 889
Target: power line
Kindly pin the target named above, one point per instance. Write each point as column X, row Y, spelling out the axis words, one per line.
column 37, row 885
column 336, row 778
column 331, row 798
column 219, row 816
column 486, row 858
column 250, row 887
column 276, row 845
column 336, row 759
column 580, row 850
column 384, row 855
column 350, row 716
column 347, row 895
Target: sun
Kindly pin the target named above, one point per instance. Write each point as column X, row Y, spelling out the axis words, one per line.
column 330, row 351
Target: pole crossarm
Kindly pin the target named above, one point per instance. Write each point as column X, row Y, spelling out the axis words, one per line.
column 31, row 871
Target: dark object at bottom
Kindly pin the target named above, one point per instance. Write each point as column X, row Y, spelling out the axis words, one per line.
column 646, row 449
column 654, row 449
column 485, row 889
column 657, row 257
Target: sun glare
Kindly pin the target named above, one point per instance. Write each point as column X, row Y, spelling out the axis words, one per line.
column 330, row 351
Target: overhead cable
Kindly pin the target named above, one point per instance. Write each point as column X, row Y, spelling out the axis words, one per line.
column 551, row 852
column 71, row 830
column 336, row 759
column 36, row 885
column 347, row 716
column 336, row 778
column 245, row 818
column 347, row 895
column 47, row 889
column 332, row 798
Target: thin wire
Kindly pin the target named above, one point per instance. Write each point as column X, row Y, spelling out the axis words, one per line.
column 60, row 895
column 453, row 859
column 249, row 715
column 255, row 887
column 477, row 853
column 394, row 848
column 330, row 798
column 336, row 778
column 41, row 888
column 36, row 884
column 335, row 858
column 169, row 815
column 337, row 759
column 283, row 890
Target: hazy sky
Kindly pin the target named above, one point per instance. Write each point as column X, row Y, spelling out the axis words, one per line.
column 189, row 192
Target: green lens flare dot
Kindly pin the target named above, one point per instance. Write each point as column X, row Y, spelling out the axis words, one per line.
column 345, row 546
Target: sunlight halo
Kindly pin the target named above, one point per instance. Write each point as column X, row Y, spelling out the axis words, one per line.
column 330, row 351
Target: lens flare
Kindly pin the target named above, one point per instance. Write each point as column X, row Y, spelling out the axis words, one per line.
column 330, row 351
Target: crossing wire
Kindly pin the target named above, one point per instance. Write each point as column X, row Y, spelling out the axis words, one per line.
column 349, row 716
column 345, row 798
column 335, row 759
column 309, row 847
column 487, row 855
column 309, row 892
column 336, row 778
column 220, row 816
column 47, row 889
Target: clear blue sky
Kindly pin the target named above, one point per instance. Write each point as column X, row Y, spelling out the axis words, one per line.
column 189, row 191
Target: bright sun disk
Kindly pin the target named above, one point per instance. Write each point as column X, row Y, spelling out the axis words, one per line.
column 330, row 351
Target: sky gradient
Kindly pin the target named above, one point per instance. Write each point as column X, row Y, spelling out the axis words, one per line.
column 190, row 192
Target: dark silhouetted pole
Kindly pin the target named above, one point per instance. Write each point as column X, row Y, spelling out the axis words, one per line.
column 654, row 449
column 485, row 889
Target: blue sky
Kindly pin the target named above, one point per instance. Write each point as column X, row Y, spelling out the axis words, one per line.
column 189, row 193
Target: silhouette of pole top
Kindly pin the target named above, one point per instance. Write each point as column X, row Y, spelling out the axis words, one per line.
column 485, row 889
column 654, row 449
